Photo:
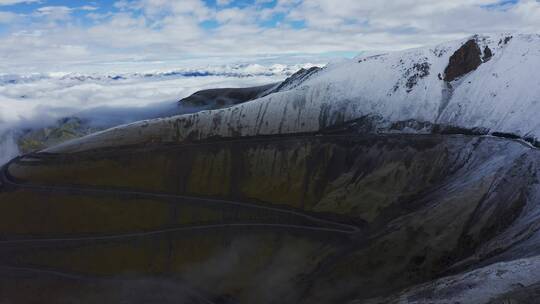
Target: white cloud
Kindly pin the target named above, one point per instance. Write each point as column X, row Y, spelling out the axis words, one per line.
column 157, row 8
column 223, row 2
column 13, row 2
column 121, row 4
column 165, row 29
column 22, row 97
column 7, row 17
column 88, row 8
column 103, row 102
column 54, row 13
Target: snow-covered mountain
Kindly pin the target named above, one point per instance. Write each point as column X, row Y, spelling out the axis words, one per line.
column 419, row 217
column 482, row 84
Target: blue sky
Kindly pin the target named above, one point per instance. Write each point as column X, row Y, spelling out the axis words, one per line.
column 28, row 7
column 84, row 10
column 33, row 32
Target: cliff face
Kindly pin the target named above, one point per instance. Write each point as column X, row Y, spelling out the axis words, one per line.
column 465, row 60
column 296, row 219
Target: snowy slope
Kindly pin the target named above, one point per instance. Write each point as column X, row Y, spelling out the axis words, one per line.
column 403, row 91
column 483, row 284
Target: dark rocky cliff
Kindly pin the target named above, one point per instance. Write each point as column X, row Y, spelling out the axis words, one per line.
column 296, row 219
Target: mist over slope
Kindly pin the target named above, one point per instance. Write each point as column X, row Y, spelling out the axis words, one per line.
column 39, row 101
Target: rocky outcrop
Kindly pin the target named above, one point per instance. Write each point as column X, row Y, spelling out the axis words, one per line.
column 219, row 98
column 419, row 71
column 487, row 54
column 465, row 60
column 296, row 79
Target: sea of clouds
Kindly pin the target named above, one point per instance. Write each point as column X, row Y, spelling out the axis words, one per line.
column 107, row 99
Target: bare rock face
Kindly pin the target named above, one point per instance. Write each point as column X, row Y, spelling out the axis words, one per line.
column 218, row 98
column 465, row 60
column 487, row 54
column 297, row 79
column 418, row 71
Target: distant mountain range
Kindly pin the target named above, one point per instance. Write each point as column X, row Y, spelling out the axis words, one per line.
column 233, row 70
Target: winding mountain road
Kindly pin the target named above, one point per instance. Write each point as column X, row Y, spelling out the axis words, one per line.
column 319, row 224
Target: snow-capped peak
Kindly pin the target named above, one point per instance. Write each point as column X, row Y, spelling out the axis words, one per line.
column 483, row 83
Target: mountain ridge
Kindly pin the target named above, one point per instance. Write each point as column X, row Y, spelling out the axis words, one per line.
column 500, row 95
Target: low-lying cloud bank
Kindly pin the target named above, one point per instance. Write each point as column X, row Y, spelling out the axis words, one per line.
column 108, row 99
